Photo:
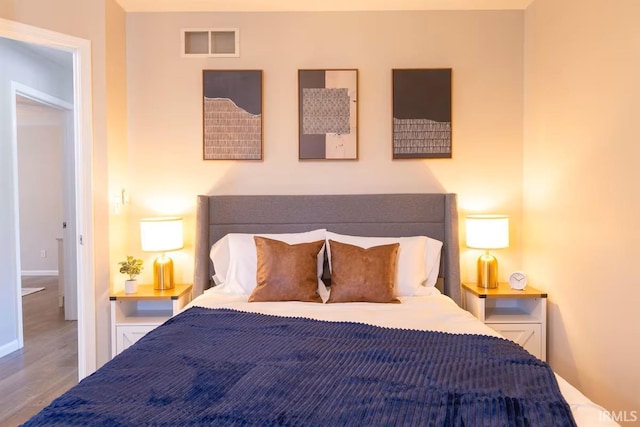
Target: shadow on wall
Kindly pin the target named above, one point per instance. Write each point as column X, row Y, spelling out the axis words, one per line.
column 561, row 362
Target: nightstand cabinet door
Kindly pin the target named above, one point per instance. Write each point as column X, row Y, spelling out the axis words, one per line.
column 126, row 336
column 528, row 335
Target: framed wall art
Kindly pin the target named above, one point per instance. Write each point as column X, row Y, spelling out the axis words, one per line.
column 421, row 113
column 232, row 114
column 328, row 114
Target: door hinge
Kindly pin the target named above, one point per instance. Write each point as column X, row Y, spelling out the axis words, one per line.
column 81, row 239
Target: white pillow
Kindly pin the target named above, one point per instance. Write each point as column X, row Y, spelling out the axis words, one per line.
column 235, row 258
column 434, row 250
column 219, row 255
column 416, row 256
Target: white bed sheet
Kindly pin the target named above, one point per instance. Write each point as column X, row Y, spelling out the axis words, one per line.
column 431, row 311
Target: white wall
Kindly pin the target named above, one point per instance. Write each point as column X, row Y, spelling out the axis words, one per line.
column 484, row 49
column 40, row 145
column 21, row 66
column 581, row 198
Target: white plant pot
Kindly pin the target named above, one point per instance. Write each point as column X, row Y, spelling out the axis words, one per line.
column 130, row 286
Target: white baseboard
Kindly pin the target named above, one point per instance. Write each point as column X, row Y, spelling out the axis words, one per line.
column 39, row 272
column 9, row 348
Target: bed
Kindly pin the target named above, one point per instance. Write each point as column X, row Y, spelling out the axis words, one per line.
column 249, row 356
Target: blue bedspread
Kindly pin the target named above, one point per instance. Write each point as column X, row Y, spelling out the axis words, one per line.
column 209, row 367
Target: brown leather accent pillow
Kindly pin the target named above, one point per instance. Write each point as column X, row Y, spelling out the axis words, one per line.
column 363, row 275
column 286, row 272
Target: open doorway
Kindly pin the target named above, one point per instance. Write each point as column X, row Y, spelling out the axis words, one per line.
column 11, row 337
column 44, row 130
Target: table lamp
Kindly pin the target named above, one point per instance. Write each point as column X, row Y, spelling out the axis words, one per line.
column 161, row 235
column 487, row 232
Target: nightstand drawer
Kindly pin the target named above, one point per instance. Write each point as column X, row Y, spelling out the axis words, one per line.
column 528, row 335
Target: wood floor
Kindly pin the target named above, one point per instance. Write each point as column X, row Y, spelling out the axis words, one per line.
column 47, row 366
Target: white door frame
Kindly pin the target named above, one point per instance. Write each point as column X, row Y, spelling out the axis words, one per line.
column 81, row 50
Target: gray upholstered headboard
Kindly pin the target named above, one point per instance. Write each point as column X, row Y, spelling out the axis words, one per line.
column 395, row 215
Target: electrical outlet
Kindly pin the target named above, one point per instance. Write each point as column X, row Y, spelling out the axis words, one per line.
column 43, row 253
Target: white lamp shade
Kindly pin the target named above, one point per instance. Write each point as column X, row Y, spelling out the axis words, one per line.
column 487, row 231
column 161, row 234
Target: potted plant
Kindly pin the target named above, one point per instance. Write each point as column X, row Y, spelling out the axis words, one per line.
column 132, row 266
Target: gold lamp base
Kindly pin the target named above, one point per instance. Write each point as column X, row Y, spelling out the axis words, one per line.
column 487, row 271
column 163, row 273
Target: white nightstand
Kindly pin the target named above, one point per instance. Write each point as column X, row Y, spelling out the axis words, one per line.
column 133, row 315
column 520, row 316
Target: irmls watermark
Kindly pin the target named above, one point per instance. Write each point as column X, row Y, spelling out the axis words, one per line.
column 619, row 416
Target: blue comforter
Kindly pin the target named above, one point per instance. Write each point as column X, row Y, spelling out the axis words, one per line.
column 209, row 367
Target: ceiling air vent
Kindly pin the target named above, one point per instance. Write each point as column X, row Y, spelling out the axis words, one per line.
column 214, row 42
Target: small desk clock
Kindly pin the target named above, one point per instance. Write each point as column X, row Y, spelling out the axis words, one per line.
column 518, row 280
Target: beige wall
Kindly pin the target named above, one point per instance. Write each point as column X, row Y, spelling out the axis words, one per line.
column 117, row 136
column 581, row 198
column 165, row 108
column 117, row 150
